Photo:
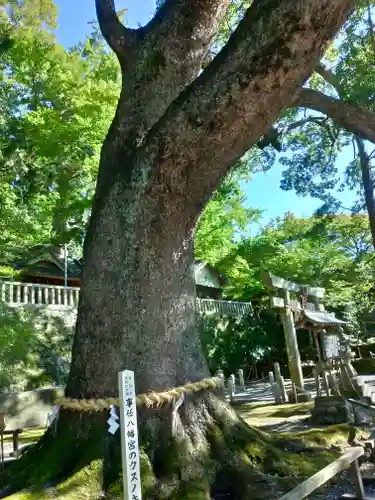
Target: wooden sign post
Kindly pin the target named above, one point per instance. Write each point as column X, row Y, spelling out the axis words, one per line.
column 129, row 436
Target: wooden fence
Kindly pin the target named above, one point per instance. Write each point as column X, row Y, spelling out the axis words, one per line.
column 18, row 294
column 349, row 459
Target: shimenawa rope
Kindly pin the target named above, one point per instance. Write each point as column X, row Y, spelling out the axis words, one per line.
column 150, row 399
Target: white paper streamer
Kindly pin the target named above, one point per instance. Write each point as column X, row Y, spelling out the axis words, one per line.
column 53, row 415
column 113, row 421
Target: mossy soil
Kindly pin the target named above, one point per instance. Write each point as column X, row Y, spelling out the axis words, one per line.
column 240, row 455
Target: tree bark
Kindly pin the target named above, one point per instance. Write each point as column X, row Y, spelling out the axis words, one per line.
column 157, row 62
column 368, row 186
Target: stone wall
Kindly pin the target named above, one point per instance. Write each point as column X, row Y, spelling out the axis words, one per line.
column 28, row 409
column 50, row 316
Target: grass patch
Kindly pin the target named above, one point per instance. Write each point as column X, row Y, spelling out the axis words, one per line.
column 260, row 414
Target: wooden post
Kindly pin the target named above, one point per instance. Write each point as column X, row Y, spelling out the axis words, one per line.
column 325, row 380
column 241, row 378
column 16, row 440
column 295, row 394
column 271, row 378
column 283, row 390
column 129, row 436
column 317, row 381
column 305, row 489
column 45, row 296
column 333, row 379
column 32, row 291
column 294, row 358
column 360, row 491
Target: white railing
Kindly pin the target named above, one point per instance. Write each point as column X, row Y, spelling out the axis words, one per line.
column 16, row 294
column 223, row 306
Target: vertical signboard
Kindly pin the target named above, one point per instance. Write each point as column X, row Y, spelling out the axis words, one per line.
column 331, row 346
column 129, row 436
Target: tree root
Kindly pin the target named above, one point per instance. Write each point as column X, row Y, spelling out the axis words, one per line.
column 205, row 451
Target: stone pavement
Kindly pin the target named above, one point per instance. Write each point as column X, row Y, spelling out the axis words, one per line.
column 261, row 391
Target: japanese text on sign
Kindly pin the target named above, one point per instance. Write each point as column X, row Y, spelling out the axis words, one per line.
column 129, row 436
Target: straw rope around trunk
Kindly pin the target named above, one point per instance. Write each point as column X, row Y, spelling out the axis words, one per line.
column 157, row 399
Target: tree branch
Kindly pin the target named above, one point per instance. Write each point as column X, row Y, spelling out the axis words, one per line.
column 120, row 39
column 328, row 76
column 235, row 100
column 176, row 41
column 170, row 51
column 348, row 115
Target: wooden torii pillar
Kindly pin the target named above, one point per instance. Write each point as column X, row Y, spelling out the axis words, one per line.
column 287, row 307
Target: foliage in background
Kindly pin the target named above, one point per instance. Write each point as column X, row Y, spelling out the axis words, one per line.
column 334, row 252
column 230, row 343
column 55, row 108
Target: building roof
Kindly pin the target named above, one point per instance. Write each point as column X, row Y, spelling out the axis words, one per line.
column 322, row 318
column 50, row 267
column 319, row 319
column 48, row 263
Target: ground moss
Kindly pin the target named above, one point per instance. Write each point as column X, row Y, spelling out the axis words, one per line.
column 237, row 457
column 84, row 485
column 197, row 490
column 320, row 436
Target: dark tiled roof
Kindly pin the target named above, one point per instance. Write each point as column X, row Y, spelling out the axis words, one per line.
column 49, row 264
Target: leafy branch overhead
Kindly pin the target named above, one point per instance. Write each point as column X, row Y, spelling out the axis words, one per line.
column 341, row 93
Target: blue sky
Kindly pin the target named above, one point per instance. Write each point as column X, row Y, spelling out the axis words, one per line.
column 264, row 190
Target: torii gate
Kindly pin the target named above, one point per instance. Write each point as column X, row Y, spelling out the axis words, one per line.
column 311, row 312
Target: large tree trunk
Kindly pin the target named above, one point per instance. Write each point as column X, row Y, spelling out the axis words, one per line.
column 169, row 146
column 137, row 306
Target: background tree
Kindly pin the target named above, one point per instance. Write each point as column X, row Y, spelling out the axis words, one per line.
column 56, row 106
column 334, row 252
